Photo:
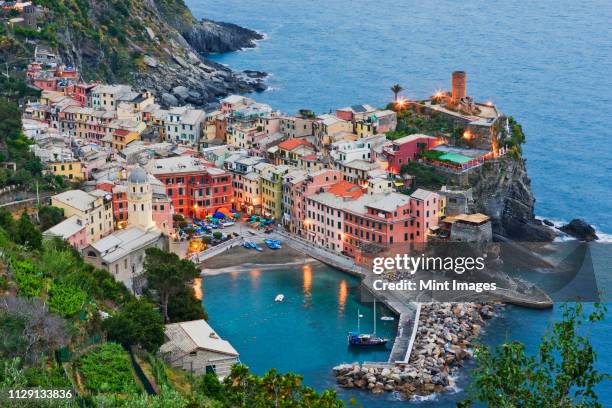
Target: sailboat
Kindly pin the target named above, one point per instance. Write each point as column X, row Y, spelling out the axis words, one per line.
column 358, row 339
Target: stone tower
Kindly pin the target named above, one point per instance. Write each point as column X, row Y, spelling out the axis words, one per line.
column 459, row 84
column 139, row 200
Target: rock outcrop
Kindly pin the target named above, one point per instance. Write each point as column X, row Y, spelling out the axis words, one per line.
column 152, row 44
column 502, row 190
column 580, row 230
column 209, row 36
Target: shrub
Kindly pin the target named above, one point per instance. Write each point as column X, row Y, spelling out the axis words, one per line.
column 107, row 369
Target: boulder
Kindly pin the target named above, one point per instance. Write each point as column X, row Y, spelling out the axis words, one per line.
column 180, row 92
column 169, row 99
column 150, row 61
column 580, row 230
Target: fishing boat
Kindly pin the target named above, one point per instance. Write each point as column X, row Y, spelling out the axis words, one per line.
column 358, row 339
column 279, row 298
column 273, row 243
column 257, row 247
column 249, row 245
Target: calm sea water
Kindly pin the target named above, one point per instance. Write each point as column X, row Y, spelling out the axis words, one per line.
column 546, row 62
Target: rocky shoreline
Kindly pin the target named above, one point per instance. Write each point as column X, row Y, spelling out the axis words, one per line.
column 443, row 341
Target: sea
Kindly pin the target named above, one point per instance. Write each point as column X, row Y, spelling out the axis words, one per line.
column 547, row 63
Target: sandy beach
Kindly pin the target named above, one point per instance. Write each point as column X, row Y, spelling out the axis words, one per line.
column 238, row 258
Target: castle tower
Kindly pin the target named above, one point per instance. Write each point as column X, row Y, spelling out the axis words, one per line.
column 139, row 200
column 459, row 80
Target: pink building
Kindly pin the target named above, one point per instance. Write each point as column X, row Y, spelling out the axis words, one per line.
column 72, row 230
column 325, row 214
column 406, row 149
column 376, row 222
column 319, row 181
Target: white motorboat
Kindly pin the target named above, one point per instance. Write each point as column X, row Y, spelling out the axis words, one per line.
column 279, row 298
column 387, row 318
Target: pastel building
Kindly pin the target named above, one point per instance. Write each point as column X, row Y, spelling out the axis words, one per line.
column 122, row 253
column 72, row 230
column 272, row 190
column 378, row 221
column 297, row 186
column 327, row 126
column 406, row 149
column 354, row 112
column 194, row 186
column 70, row 169
column 232, row 103
column 376, row 123
column 325, row 214
column 94, row 209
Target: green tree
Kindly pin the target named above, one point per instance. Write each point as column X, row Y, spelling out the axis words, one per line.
column 167, row 275
column 27, row 233
column 49, row 216
column 184, row 306
column 10, row 121
column 396, row 89
column 243, row 389
column 139, row 323
column 561, row 374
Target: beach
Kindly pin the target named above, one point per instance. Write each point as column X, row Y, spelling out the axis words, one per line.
column 240, row 258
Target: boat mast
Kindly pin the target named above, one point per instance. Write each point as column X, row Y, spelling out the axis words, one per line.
column 374, row 315
column 358, row 320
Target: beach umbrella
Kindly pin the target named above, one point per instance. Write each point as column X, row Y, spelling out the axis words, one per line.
column 218, row 215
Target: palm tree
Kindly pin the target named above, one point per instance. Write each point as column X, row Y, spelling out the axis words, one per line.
column 396, row 89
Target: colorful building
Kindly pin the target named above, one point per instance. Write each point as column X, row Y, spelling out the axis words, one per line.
column 194, row 186
column 71, row 169
column 94, row 209
column 407, row 149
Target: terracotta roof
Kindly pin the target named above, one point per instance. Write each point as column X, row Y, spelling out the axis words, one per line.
column 293, row 143
column 310, row 157
column 121, row 132
column 346, row 189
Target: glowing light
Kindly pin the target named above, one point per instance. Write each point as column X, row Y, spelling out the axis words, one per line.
column 467, row 135
column 489, row 103
column 307, row 284
column 439, row 94
column 197, row 288
column 195, row 206
column 401, row 103
column 342, row 295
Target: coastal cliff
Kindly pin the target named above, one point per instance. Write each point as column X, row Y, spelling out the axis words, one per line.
column 152, row 44
column 502, row 190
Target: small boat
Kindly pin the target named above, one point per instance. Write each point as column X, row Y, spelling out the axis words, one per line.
column 249, row 245
column 257, row 247
column 272, row 243
column 387, row 318
column 358, row 339
column 279, row 298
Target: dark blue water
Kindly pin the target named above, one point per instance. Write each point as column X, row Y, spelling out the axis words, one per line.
column 547, row 63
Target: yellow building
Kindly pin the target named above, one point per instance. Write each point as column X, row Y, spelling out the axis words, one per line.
column 123, row 137
column 272, row 191
column 72, row 170
column 95, row 209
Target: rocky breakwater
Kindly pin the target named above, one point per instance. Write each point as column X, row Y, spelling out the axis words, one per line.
column 442, row 343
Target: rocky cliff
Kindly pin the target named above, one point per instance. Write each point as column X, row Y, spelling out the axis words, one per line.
column 152, row 44
column 502, row 190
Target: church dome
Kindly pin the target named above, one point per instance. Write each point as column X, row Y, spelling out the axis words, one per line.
column 137, row 176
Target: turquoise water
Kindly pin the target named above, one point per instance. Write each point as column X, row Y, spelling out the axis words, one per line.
column 547, row 63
